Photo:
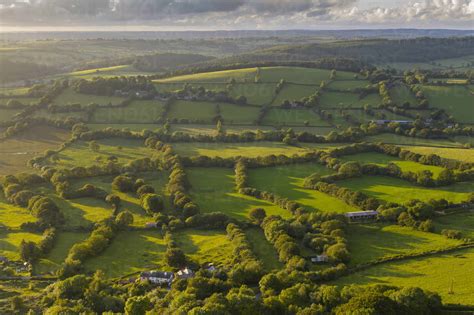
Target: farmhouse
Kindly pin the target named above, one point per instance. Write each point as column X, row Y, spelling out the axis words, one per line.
column 158, row 277
column 361, row 215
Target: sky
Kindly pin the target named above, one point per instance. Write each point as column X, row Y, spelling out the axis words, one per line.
column 236, row 14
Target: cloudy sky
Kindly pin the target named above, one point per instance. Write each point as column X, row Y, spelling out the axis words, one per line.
column 239, row 14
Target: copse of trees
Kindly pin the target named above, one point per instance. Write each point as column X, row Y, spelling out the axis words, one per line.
column 30, row 252
column 108, row 86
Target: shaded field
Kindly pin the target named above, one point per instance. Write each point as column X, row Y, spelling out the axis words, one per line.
column 400, row 191
column 235, row 114
column 465, row 155
column 63, row 243
column 401, row 94
column 375, row 241
column 299, row 75
column 7, row 114
column 206, row 246
column 15, row 152
column 23, row 100
column 287, row 181
column 257, row 94
column 264, row 251
column 455, row 100
column 213, row 190
column 301, row 117
column 292, row 92
column 129, row 252
column 347, row 100
column 437, row 273
column 10, row 242
column 348, row 84
column 69, row 96
column 136, row 112
column 124, row 150
column 383, row 160
column 463, row 222
column 132, row 127
column 192, row 111
column 412, row 142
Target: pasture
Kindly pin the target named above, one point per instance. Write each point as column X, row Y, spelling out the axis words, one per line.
column 293, row 117
column 213, row 190
column 256, row 94
column 130, row 252
column 411, row 143
column 299, row 75
column 293, row 92
column 455, row 100
column 396, row 190
column 7, row 114
column 136, row 112
column 16, row 151
column 383, row 160
column 202, row 112
column 348, row 85
column 464, row 155
column 69, row 96
column 205, row 246
column 123, row 150
column 463, row 222
column 11, row 216
column 439, row 273
column 63, row 243
column 347, row 100
column 236, row 114
column 370, row 242
column 262, row 249
column 287, row 181
column 401, row 94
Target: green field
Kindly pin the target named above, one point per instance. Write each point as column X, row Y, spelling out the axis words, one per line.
column 125, row 150
column 132, row 127
column 400, row 191
column 205, row 246
column 455, row 100
column 130, row 252
column 11, row 216
column 236, row 114
column 44, row 113
column 383, row 160
column 193, row 111
column 7, row 114
column 371, row 242
column 465, row 155
column 401, row 94
column 108, row 72
column 136, row 112
column 264, row 251
column 434, row 273
column 213, row 190
column 54, row 259
column 347, row 100
column 293, row 92
column 463, row 222
column 10, row 242
column 240, row 75
column 412, row 143
column 293, row 117
column 287, row 181
column 69, row 96
column 348, row 84
column 300, row 75
column 256, row 94
column 16, row 151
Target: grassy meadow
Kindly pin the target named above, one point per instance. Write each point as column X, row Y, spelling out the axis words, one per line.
column 464, row 155
column 439, row 273
column 400, row 191
column 287, row 181
column 262, row 249
column 213, row 190
column 455, row 100
column 69, row 96
column 136, row 112
column 293, row 117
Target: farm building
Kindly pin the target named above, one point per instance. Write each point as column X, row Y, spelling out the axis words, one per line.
column 185, row 273
column 319, row 259
column 361, row 215
column 158, row 277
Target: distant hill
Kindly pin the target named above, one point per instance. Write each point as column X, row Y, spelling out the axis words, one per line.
column 367, row 50
column 168, row 61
